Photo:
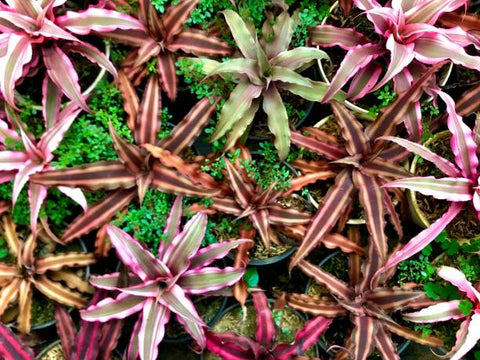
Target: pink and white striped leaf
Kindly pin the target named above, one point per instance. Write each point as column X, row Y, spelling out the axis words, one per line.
column 51, row 101
column 22, row 177
column 435, row 48
column 356, row 58
column 364, row 81
column 458, row 279
column 452, row 189
column 135, row 256
column 400, row 56
column 462, row 141
column 172, row 227
column 62, row 72
column 440, row 312
column 417, row 243
column 99, row 20
column 327, row 35
column 442, row 164
column 471, row 338
column 19, row 53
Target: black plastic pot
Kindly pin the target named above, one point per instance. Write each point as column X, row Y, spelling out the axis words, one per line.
column 271, row 301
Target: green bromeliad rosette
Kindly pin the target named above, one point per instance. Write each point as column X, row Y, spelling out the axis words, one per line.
column 265, row 68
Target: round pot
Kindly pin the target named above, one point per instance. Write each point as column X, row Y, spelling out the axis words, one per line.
column 57, row 352
column 51, row 322
column 400, row 348
column 235, row 307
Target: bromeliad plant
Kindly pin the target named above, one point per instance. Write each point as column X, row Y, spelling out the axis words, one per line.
column 161, row 285
column 260, row 205
column 468, row 334
column 31, row 31
column 163, row 37
column 36, row 157
column 46, row 274
column 407, row 33
column 362, row 163
column 137, row 170
column 231, row 346
column 368, row 303
column 460, row 187
column 266, row 69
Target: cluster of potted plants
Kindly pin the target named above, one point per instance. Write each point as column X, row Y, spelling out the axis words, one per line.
column 173, row 157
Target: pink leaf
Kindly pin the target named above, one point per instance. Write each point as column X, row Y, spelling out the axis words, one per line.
column 423, row 239
column 458, row 279
column 462, row 143
column 76, row 195
column 135, row 256
column 99, row 20
column 63, row 74
column 19, row 53
column 400, row 56
column 36, row 196
column 355, row 59
column 22, row 177
column 472, row 337
column 438, row 312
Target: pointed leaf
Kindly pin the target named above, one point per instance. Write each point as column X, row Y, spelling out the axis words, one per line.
column 119, row 308
column 98, row 214
column 168, row 76
column 152, row 330
column 19, row 53
column 242, row 35
column 186, row 243
column 207, row 279
column 277, row 120
column 135, row 256
column 334, row 203
column 99, row 20
column 62, row 72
